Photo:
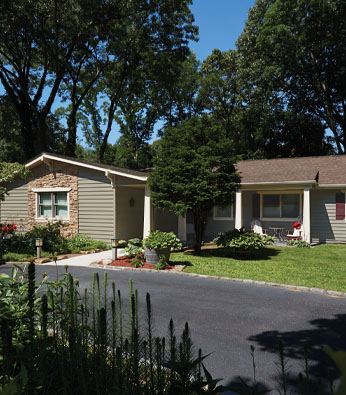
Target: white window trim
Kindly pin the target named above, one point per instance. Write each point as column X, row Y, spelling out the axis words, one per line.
column 38, row 190
column 281, row 219
column 215, row 218
column 51, row 190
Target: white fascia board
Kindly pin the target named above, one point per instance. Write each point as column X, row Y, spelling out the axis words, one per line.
column 331, row 186
column 98, row 168
column 279, row 183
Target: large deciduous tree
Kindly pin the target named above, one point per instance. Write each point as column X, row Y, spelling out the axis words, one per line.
column 293, row 52
column 61, row 49
column 194, row 170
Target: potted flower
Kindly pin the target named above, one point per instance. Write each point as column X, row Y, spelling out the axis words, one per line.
column 160, row 243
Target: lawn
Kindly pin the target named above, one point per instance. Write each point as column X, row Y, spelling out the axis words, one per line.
column 323, row 266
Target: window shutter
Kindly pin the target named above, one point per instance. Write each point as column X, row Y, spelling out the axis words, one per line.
column 256, row 205
column 340, row 206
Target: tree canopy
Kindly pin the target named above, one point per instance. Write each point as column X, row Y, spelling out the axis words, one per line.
column 53, row 52
column 8, row 173
column 194, row 170
column 293, row 55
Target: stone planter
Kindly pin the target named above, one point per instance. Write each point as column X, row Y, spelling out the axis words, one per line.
column 152, row 256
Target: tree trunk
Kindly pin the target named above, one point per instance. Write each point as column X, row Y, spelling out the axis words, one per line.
column 70, row 149
column 199, row 220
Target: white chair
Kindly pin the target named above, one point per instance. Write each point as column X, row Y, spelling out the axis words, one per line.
column 256, row 227
column 296, row 235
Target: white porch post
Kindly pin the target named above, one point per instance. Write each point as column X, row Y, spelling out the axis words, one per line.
column 148, row 214
column 182, row 227
column 238, row 210
column 306, row 215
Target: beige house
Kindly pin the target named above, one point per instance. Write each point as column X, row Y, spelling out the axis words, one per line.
column 104, row 201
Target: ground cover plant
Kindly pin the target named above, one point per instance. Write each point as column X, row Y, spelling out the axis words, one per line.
column 322, row 266
column 21, row 246
column 56, row 338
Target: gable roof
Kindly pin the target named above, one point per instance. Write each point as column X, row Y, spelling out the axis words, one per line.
column 134, row 174
column 324, row 170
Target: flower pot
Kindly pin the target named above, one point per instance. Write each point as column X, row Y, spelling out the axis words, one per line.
column 152, row 256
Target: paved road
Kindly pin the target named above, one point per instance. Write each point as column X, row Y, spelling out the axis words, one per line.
column 226, row 318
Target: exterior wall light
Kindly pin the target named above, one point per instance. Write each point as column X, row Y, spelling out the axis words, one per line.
column 132, row 202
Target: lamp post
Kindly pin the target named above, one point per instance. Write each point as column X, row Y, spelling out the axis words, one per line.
column 39, row 244
column 114, row 244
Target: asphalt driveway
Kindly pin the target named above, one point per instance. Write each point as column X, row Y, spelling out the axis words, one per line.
column 226, row 318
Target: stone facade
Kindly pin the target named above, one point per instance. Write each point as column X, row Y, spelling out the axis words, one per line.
column 56, row 175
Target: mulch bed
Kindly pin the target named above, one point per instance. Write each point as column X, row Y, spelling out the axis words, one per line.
column 125, row 261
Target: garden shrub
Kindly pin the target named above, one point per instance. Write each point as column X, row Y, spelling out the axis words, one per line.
column 160, row 240
column 64, row 340
column 298, row 243
column 81, row 242
column 53, row 241
column 134, row 247
column 243, row 241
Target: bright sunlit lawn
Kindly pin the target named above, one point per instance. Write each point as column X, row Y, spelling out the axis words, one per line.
column 323, row 266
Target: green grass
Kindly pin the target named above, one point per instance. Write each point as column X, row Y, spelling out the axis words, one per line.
column 323, row 266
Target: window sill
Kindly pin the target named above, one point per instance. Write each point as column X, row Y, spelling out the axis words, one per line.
column 40, row 219
column 279, row 219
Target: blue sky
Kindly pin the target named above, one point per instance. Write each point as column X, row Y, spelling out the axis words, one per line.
column 220, row 24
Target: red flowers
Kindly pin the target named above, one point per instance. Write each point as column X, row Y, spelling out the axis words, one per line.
column 7, row 229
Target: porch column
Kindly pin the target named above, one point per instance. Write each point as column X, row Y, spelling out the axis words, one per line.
column 182, row 228
column 148, row 214
column 238, row 210
column 306, row 215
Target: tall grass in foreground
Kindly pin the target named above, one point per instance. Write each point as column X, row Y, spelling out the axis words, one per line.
column 56, row 339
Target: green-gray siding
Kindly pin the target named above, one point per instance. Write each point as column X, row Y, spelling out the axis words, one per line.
column 15, row 206
column 325, row 228
column 96, row 205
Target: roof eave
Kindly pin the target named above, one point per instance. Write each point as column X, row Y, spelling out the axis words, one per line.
column 278, row 183
column 44, row 156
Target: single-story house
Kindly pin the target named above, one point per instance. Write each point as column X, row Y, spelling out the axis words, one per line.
column 104, row 201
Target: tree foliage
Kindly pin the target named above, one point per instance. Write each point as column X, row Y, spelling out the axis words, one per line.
column 60, row 50
column 194, row 170
column 293, row 57
column 8, row 173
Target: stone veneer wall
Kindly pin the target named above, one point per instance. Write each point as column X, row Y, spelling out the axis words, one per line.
column 63, row 175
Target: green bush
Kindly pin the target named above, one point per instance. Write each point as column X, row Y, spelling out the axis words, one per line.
column 162, row 263
column 134, row 247
column 81, row 242
column 67, row 339
column 223, row 238
column 298, row 243
column 53, row 241
column 160, row 240
column 137, row 261
column 243, row 241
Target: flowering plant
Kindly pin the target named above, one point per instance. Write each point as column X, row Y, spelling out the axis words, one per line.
column 7, row 229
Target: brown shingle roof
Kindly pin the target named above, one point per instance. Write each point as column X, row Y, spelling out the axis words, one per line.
column 324, row 169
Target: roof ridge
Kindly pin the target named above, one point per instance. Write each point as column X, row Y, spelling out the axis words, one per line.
column 293, row 158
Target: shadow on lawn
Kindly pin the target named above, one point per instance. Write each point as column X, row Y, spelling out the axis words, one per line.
column 261, row 254
column 326, row 332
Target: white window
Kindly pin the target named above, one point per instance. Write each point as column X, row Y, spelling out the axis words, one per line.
column 223, row 213
column 52, row 204
column 281, row 206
